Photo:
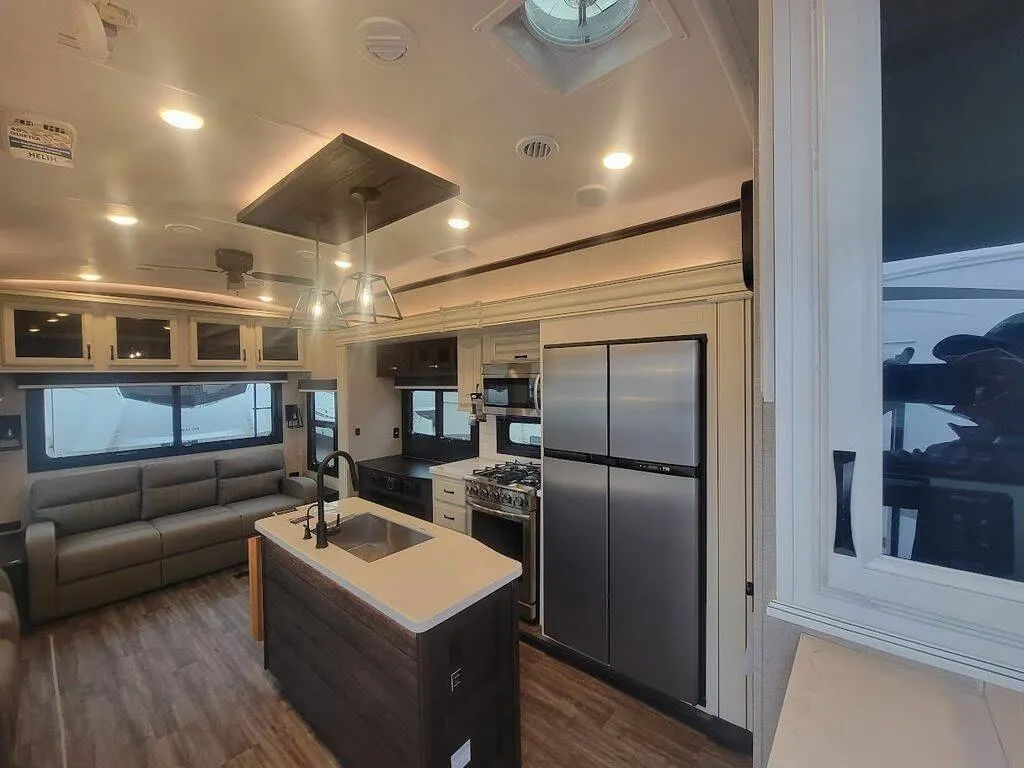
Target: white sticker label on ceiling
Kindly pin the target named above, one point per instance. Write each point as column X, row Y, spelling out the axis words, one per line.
column 32, row 137
column 462, row 756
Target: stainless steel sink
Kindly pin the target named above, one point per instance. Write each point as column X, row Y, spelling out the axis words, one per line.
column 371, row 538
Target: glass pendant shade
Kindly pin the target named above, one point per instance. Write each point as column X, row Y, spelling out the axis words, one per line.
column 367, row 298
column 317, row 309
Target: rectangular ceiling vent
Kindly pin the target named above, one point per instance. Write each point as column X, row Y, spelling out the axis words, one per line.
column 453, row 255
column 564, row 47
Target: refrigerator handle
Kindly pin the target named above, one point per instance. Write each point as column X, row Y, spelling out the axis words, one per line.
column 536, row 392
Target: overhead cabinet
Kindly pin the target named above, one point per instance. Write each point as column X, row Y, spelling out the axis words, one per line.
column 219, row 343
column 433, row 357
column 141, row 340
column 278, row 347
column 471, row 365
column 41, row 337
column 511, row 347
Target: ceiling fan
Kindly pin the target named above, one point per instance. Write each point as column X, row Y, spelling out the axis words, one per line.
column 236, row 265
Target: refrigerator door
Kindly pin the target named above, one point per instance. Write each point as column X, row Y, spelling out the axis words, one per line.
column 654, row 581
column 576, row 399
column 654, row 391
column 574, row 520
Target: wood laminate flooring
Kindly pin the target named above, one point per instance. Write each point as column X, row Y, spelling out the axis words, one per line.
column 173, row 679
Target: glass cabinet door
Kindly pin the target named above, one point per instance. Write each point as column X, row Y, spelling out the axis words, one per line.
column 278, row 345
column 218, row 342
column 142, row 340
column 48, row 335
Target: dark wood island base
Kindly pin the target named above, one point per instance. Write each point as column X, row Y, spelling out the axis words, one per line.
column 380, row 696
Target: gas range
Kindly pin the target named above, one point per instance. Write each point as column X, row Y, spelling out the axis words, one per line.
column 511, row 487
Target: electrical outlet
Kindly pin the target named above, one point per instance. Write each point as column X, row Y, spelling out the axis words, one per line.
column 396, row 433
column 358, row 430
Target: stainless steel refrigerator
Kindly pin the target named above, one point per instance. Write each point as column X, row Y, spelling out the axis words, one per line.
column 623, row 534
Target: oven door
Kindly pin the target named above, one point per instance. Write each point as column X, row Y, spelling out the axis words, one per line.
column 511, row 396
column 514, row 536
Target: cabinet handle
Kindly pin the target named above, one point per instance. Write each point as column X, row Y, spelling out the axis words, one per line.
column 446, row 517
column 520, row 357
column 111, row 351
column 88, row 351
column 244, row 355
column 843, row 461
column 259, row 355
column 445, row 490
column 434, row 365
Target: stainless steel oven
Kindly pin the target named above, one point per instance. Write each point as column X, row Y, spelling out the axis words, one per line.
column 504, row 515
column 512, row 389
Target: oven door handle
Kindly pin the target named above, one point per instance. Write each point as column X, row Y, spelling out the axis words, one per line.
column 498, row 513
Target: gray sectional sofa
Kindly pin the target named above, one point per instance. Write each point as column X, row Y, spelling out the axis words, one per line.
column 97, row 537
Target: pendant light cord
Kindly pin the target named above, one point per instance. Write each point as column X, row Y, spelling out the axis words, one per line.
column 366, row 236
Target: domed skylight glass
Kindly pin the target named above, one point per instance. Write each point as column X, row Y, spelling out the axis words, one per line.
column 565, row 23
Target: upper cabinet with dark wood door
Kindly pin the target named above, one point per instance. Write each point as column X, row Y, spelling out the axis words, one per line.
column 219, row 342
column 278, row 347
column 435, row 357
column 142, row 340
column 394, row 360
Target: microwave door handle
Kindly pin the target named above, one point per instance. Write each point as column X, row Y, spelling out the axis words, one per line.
column 498, row 513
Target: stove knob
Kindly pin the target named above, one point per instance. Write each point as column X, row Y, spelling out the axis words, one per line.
column 506, row 498
column 495, row 494
column 520, row 502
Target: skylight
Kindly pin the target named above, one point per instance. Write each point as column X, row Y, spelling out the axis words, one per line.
column 577, row 23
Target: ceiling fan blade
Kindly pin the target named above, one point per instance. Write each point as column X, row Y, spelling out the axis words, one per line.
column 175, row 266
column 271, row 277
column 923, row 293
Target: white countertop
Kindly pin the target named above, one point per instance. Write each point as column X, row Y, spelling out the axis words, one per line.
column 848, row 708
column 419, row 587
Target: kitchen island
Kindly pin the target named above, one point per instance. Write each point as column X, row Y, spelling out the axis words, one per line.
column 397, row 643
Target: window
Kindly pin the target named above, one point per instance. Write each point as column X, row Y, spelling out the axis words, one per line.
column 83, row 426
column 434, row 428
column 572, row 23
column 519, row 436
column 322, row 433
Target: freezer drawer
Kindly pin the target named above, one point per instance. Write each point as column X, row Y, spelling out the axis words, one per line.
column 575, row 555
column 654, row 401
column 654, row 581
column 575, row 392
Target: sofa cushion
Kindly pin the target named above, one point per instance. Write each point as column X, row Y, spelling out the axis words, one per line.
column 178, row 486
column 189, row 531
column 87, row 501
column 10, row 697
column 252, row 510
column 249, row 475
column 10, row 624
column 82, row 555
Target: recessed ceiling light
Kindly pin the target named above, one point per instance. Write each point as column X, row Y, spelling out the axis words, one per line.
column 456, row 222
column 91, row 277
column 122, row 219
column 266, row 298
column 52, row 320
column 616, row 161
column 306, row 254
column 342, row 262
column 33, row 330
column 186, row 121
column 62, row 314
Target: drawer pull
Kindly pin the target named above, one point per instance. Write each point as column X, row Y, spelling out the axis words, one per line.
column 448, row 492
column 844, row 461
column 446, row 517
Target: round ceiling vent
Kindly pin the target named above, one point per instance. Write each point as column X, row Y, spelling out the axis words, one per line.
column 183, row 229
column 592, row 196
column 385, row 42
column 537, row 147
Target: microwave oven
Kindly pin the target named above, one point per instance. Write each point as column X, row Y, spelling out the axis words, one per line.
column 512, row 389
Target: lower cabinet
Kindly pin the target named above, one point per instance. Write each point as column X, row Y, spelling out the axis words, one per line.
column 451, row 516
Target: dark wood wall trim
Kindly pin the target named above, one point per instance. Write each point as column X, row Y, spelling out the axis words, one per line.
column 678, row 220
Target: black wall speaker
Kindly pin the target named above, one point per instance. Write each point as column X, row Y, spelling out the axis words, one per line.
column 747, row 232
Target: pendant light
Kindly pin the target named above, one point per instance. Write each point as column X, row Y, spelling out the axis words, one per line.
column 316, row 308
column 366, row 298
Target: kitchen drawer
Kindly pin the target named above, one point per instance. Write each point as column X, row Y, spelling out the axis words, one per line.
column 449, row 491
column 450, row 516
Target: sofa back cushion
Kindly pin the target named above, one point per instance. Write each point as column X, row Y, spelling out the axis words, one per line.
column 88, row 501
column 249, row 475
column 178, row 486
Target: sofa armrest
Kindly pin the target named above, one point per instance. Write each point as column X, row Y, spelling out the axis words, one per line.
column 301, row 488
column 41, row 552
